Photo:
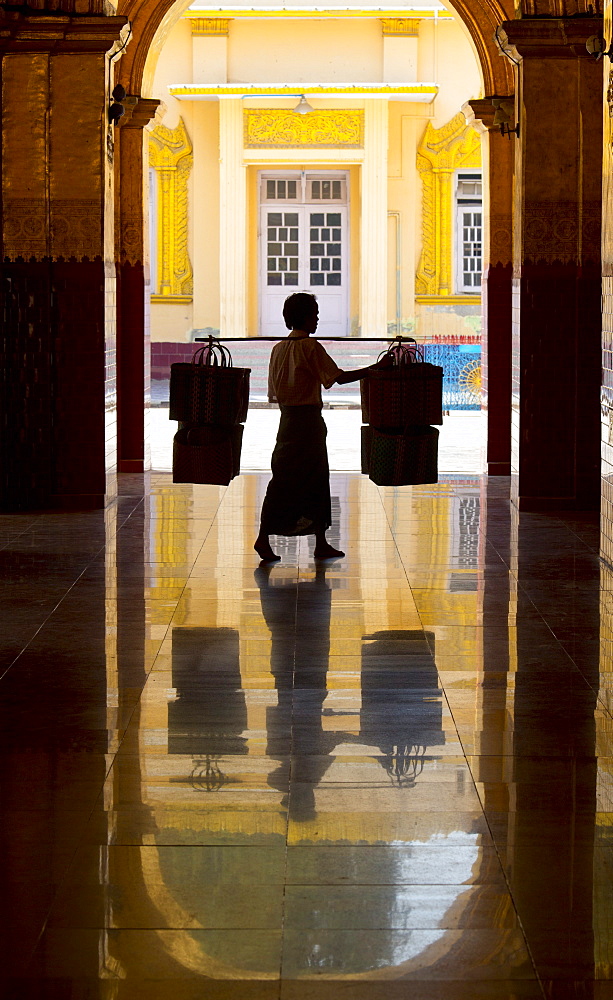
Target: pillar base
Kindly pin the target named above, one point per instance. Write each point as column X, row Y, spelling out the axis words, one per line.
column 550, row 505
column 131, row 465
column 499, row 468
column 80, row 501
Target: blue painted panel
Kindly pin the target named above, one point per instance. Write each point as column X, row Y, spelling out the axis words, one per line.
column 454, row 359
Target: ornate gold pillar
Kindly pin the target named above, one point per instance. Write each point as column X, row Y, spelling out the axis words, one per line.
column 133, row 288
column 555, row 451
column 439, row 154
column 171, row 156
column 57, row 396
column 496, row 291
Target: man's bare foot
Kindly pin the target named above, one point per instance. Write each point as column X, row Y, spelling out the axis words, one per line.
column 327, row 551
column 263, row 549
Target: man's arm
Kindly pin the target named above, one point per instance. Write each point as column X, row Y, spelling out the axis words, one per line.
column 360, row 373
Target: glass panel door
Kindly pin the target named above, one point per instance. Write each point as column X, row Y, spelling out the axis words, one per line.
column 304, row 247
column 282, row 248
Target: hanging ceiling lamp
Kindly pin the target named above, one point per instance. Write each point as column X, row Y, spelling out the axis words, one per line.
column 303, row 107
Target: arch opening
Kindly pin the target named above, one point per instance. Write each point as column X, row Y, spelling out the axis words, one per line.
column 396, row 256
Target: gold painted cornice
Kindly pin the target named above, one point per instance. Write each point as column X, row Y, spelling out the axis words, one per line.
column 405, row 26
column 334, row 13
column 80, row 7
column 422, row 92
column 139, row 111
column 285, row 129
column 211, row 26
column 61, row 34
column 561, row 8
column 480, row 112
column 447, row 300
column 171, row 300
column 548, row 38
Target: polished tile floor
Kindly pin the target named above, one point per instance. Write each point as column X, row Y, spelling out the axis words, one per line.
column 384, row 778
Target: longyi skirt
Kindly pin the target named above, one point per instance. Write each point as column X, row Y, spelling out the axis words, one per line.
column 297, row 500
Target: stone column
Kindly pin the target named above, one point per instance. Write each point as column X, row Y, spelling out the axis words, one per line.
column 496, row 292
column 556, row 264
column 57, row 391
column 373, row 243
column 232, row 221
column 133, row 288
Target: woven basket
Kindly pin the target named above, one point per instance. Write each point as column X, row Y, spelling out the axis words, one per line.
column 397, row 457
column 409, row 394
column 210, row 455
column 201, row 394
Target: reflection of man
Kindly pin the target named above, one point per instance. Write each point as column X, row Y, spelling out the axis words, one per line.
column 209, row 714
column 300, row 611
column 400, row 664
column 401, row 710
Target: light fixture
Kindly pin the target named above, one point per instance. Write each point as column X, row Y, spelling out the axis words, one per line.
column 303, row 107
column 116, row 110
column 505, row 109
column 597, row 47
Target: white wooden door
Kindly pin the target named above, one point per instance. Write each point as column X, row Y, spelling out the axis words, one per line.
column 304, row 247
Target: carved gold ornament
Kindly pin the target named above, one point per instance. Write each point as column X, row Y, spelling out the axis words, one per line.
column 406, row 26
column 211, row 26
column 441, row 152
column 288, row 130
column 170, row 155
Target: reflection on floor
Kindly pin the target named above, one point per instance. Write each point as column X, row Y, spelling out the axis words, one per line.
column 385, row 777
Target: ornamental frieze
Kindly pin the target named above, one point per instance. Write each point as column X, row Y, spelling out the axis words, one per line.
column 286, row 129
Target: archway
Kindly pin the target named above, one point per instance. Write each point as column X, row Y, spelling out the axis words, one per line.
column 152, row 19
column 151, row 24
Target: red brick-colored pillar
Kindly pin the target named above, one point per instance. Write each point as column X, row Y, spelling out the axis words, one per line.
column 555, row 451
column 57, row 345
column 496, row 293
column 133, row 340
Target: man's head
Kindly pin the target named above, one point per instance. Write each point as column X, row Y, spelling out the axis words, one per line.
column 300, row 311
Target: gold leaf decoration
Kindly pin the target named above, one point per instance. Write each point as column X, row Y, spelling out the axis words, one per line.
column 286, row 129
column 170, row 154
column 440, row 153
column 400, row 26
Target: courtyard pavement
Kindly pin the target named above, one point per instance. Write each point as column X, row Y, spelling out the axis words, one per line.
column 461, row 441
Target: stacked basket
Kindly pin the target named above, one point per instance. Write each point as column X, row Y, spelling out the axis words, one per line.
column 209, row 398
column 399, row 405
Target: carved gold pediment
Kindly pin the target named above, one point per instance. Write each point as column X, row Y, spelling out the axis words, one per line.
column 288, row 130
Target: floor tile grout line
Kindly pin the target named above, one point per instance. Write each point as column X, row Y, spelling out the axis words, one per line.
column 509, row 886
column 113, row 756
column 461, row 742
column 52, row 612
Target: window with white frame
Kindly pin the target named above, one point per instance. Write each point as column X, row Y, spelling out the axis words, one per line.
column 469, row 232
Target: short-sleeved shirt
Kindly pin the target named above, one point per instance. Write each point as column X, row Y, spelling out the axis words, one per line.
column 298, row 368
